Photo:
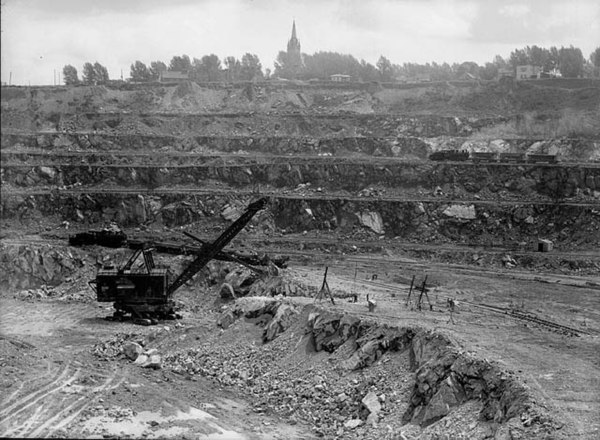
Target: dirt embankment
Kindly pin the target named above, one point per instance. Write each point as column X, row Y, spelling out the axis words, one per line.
column 449, row 97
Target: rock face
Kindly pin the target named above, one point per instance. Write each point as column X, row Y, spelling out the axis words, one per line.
column 425, row 221
column 329, row 331
column 24, row 267
column 446, row 378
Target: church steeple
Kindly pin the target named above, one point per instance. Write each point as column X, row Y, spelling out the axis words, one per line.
column 293, row 45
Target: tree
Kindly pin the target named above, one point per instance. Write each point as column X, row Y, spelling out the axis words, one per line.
column 70, row 75
column 139, row 72
column 570, row 62
column 595, row 57
column 233, row 68
column 156, row 67
column 518, row 57
column 368, row 72
column 489, row 71
column 595, row 63
column 250, row 68
column 208, row 68
column 283, row 66
column 541, row 57
column 441, row 72
column 324, row 64
column 94, row 73
column 500, row 62
column 385, row 69
column 468, row 68
column 101, row 73
column 89, row 75
column 180, row 63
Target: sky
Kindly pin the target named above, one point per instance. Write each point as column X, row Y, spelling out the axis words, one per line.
column 40, row 37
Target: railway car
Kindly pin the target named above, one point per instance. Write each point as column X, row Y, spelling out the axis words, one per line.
column 512, row 157
column 544, row 158
column 481, row 156
column 491, row 157
column 451, row 155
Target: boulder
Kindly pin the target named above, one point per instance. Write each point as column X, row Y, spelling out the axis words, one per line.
column 371, row 402
column 132, row 350
column 48, row 172
column 231, row 212
column 509, row 261
column 141, row 359
column 283, row 319
column 461, row 212
column 256, row 306
column 353, row 423
column 240, row 280
column 226, row 318
column 154, row 361
column 372, row 220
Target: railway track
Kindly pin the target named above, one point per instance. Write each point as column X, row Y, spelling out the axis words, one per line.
column 516, row 314
column 18, row 158
column 510, row 312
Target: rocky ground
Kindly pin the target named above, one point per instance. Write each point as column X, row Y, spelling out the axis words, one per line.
column 504, row 345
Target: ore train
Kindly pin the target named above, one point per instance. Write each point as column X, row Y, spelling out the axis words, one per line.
column 480, row 156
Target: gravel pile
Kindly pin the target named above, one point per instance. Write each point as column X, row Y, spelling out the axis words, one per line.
column 286, row 378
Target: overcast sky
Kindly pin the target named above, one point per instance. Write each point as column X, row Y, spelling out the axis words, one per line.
column 41, row 36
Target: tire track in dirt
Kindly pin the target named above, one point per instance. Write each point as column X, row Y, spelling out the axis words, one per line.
column 34, row 396
column 49, row 396
column 55, row 410
column 69, row 413
column 16, row 417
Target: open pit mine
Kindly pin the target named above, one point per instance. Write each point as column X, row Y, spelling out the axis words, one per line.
column 281, row 260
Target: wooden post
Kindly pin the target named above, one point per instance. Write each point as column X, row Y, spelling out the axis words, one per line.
column 412, row 282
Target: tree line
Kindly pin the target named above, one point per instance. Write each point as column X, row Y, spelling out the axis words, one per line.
column 207, row 68
column 569, row 61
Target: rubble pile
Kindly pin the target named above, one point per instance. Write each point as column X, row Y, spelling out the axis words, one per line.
column 234, row 280
column 114, row 346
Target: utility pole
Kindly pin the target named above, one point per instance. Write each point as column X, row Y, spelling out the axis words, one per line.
column 54, row 77
column 9, row 78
